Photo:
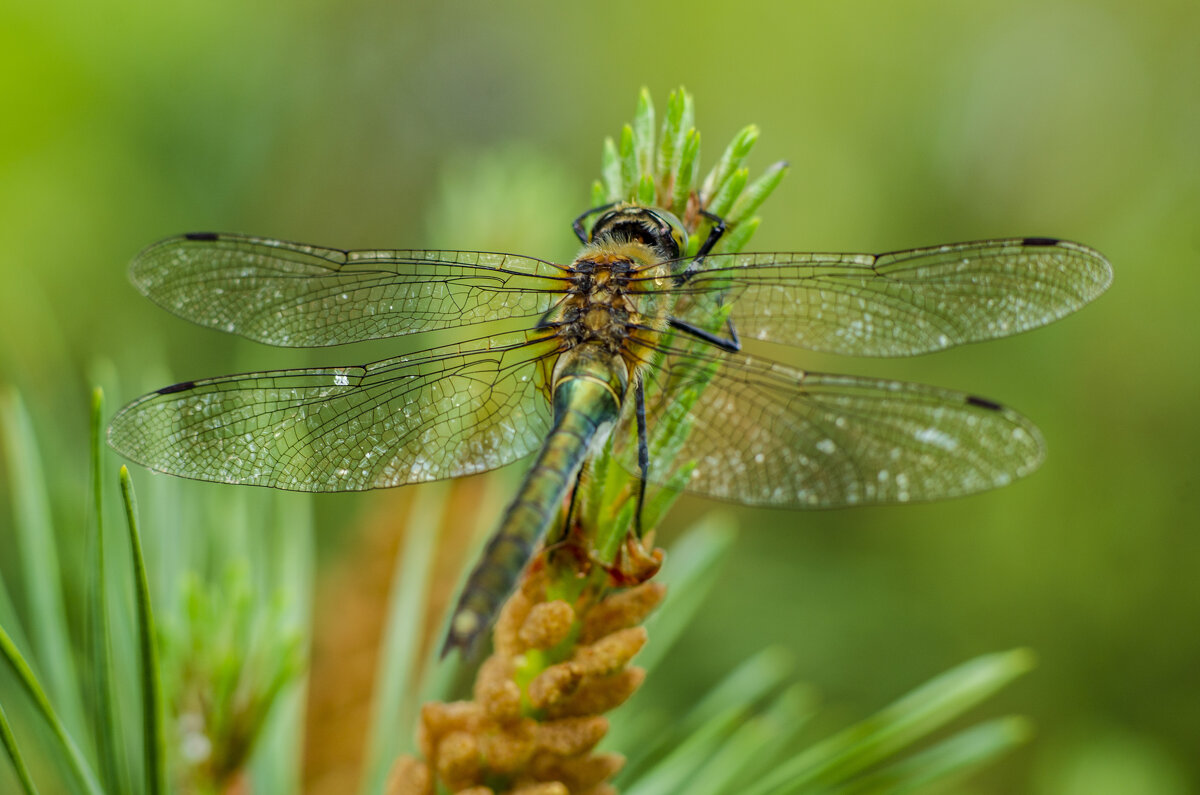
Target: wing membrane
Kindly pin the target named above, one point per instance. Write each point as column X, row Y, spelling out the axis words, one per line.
column 444, row 412
column 297, row 295
column 898, row 304
column 763, row 433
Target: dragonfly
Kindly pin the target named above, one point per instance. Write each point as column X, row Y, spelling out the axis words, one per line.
column 561, row 359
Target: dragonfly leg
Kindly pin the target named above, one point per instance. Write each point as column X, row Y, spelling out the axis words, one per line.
column 714, row 235
column 643, row 454
column 568, row 525
column 733, row 344
column 733, row 335
column 577, row 224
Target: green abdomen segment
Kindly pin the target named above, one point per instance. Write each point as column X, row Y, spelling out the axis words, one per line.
column 584, row 405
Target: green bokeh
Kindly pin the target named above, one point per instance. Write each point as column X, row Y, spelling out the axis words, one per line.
column 350, row 123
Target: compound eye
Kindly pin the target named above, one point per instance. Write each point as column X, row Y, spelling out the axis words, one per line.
column 680, row 238
column 634, row 231
column 603, row 222
column 677, row 231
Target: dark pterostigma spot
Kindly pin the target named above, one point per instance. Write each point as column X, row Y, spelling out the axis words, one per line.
column 983, row 403
column 201, row 236
column 1041, row 241
column 182, row 386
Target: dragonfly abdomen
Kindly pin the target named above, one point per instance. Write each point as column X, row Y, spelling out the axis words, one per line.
column 588, row 389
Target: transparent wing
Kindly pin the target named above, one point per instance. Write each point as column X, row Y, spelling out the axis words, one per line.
column 444, row 412
column 296, row 295
column 898, row 304
column 762, row 433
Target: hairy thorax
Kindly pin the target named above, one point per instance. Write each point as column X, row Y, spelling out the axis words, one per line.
column 612, row 303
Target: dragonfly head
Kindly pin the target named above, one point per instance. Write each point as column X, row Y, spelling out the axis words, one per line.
column 655, row 228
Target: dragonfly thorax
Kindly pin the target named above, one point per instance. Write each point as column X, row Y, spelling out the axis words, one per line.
column 602, row 324
column 602, row 308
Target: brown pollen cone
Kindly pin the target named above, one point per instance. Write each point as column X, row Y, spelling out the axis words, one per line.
column 539, row 699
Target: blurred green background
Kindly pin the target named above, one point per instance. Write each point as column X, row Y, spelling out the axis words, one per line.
column 359, row 124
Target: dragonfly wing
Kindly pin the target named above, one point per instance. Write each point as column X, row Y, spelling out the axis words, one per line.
column 297, row 295
column 898, row 304
column 444, row 412
column 763, row 433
